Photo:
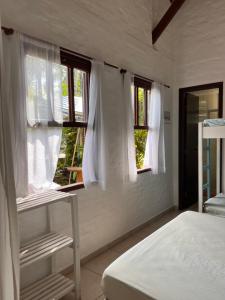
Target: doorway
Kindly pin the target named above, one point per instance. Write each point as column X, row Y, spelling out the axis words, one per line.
column 196, row 104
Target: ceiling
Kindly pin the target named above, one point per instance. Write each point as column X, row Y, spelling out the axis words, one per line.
column 75, row 24
column 116, row 31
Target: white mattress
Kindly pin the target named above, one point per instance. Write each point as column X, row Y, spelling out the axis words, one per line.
column 215, row 210
column 183, row 260
column 214, row 122
column 215, row 205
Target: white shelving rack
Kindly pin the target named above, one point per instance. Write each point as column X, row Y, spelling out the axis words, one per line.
column 54, row 286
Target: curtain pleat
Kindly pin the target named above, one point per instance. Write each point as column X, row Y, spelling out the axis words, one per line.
column 110, row 132
column 94, row 157
column 9, row 186
column 44, row 102
column 127, row 117
column 155, row 145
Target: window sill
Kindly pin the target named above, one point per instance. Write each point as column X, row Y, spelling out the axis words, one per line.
column 144, row 170
column 143, row 127
column 80, row 185
column 71, row 187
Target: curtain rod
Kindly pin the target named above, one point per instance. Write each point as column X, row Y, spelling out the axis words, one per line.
column 122, row 71
column 151, row 80
column 9, row 31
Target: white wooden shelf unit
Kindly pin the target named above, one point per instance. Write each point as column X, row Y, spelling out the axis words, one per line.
column 204, row 132
column 56, row 285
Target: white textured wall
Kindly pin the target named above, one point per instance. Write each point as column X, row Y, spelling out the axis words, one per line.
column 117, row 31
column 120, row 33
column 199, row 49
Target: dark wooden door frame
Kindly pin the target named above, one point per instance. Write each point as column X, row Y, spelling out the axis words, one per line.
column 182, row 93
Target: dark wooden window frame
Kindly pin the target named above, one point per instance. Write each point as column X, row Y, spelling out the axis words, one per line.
column 73, row 61
column 181, row 142
column 146, row 85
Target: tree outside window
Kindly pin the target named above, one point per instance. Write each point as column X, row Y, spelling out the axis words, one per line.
column 141, row 90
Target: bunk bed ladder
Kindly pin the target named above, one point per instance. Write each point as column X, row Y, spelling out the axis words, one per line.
column 207, row 168
column 208, row 133
column 200, row 167
column 203, row 167
column 218, row 166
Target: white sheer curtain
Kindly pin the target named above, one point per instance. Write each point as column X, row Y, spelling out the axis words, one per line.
column 110, row 129
column 44, row 111
column 15, row 95
column 155, row 146
column 94, row 157
column 13, row 172
column 43, row 153
column 127, row 117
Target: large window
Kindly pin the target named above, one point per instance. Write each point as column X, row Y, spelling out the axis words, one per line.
column 75, row 88
column 141, row 92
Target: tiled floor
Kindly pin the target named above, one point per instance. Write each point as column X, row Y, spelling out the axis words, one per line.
column 91, row 272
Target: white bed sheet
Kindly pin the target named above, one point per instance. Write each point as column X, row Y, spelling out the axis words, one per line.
column 218, row 200
column 216, row 205
column 214, row 122
column 215, row 210
column 183, row 260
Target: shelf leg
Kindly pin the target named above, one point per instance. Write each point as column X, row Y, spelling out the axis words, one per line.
column 76, row 247
column 50, row 229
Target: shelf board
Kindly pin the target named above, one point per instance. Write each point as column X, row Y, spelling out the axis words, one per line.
column 40, row 199
column 43, row 247
column 52, row 287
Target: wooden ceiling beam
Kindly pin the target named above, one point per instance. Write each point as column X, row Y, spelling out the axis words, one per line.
column 166, row 19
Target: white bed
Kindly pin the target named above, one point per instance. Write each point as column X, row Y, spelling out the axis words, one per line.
column 183, row 260
column 216, row 205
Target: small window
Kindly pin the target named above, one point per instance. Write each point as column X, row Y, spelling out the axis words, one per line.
column 142, row 89
column 75, row 84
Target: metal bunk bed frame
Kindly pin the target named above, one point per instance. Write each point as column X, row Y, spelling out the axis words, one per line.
column 204, row 132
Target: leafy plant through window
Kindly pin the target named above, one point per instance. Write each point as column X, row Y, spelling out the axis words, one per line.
column 75, row 82
column 141, row 106
column 140, row 137
column 69, row 168
column 79, row 95
column 141, row 91
column 65, row 93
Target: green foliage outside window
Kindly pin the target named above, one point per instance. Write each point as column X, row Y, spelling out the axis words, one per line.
column 72, row 144
column 69, row 137
column 140, row 142
column 78, row 82
column 64, row 81
column 141, row 106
